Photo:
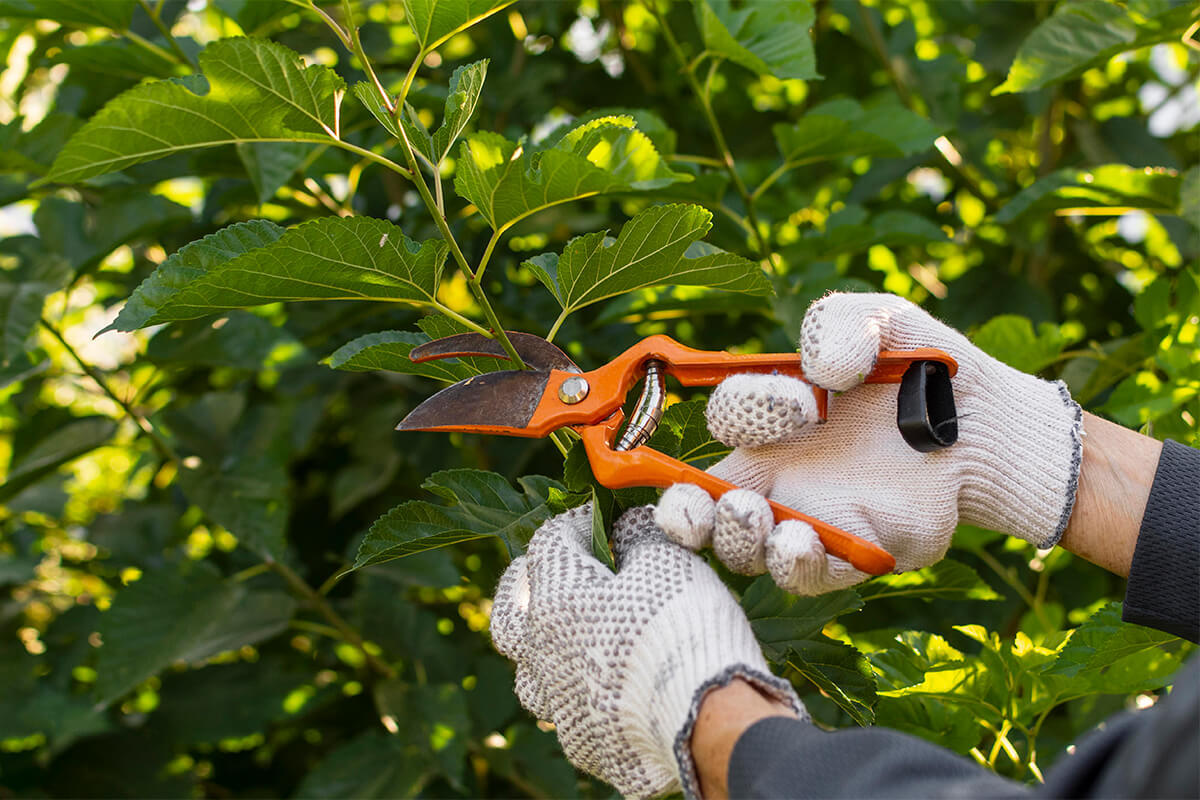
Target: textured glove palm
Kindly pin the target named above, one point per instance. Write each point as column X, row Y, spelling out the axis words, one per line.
column 1014, row 468
column 620, row 662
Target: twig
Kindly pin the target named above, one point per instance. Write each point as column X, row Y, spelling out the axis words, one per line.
column 160, row 444
column 155, row 15
column 322, row 607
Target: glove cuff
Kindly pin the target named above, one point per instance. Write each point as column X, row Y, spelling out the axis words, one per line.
column 1026, row 449
column 777, row 688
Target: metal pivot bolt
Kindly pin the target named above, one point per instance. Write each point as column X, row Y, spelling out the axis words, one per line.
column 573, row 390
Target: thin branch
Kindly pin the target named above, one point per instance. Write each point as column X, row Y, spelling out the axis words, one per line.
column 160, row 444
column 357, row 48
column 151, row 47
column 322, row 607
column 155, row 15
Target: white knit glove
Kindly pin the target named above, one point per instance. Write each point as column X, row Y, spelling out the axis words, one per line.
column 620, row 662
column 1013, row 469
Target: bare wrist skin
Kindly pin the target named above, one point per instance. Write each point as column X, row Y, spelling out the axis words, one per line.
column 724, row 716
column 1114, row 484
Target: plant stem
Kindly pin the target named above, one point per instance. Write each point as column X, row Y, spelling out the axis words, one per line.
column 378, row 159
column 322, row 607
column 155, row 15
column 150, row 46
column 357, row 48
column 454, row 315
column 250, row 572
column 557, row 323
column 327, row 631
column 703, row 95
column 1016, row 585
column 160, row 444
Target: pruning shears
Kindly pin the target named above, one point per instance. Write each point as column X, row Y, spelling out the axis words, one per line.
column 555, row 393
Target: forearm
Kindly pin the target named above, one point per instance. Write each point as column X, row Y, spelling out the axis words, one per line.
column 724, row 716
column 1114, row 484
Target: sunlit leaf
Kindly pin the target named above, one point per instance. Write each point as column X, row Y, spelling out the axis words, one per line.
column 388, row 350
column 466, row 84
column 1081, row 34
column 435, row 21
column 508, row 182
column 1011, row 339
column 60, row 446
column 843, row 127
column 252, row 90
column 660, row 245
column 770, row 37
column 945, row 579
column 332, row 258
column 1115, row 656
column 478, row 504
column 1110, row 185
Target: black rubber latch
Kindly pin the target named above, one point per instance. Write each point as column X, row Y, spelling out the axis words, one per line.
column 925, row 410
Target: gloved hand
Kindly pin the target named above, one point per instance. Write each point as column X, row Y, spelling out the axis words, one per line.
column 1013, row 469
column 620, row 663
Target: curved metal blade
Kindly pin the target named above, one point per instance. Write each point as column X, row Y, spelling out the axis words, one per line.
column 495, row 399
column 535, row 351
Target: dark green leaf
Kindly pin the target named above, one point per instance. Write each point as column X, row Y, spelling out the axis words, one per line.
column 188, row 264
column 372, row 765
column 782, row 621
column 332, row 258
column 60, row 446
column 240, row 340
column 660, row 245
column 480, row 504
column 767, row 36
column 23, row 292
column 508, row 182
column 169, row 616
column 84, row 235
column 945, row 579
column 683, row 434
column 369, row 97
column 388, row 350
column 115, row 14
column 430, row 719
column 600, row 527
column 271, row 165
column 246, row 495
column 1189, row 196
column 256, row 91
column 843, row 127
column 842, row 673
column 1081, row 34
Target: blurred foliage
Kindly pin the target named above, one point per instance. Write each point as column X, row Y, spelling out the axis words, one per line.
column 184, row 504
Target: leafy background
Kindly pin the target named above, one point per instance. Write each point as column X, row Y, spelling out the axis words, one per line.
column 225, row 576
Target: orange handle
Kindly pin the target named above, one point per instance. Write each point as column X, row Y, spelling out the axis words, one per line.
column 642, row 466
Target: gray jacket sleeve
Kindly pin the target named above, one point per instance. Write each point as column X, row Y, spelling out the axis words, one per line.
column 1135, row 755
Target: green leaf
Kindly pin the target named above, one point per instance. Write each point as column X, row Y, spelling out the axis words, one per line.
column 600, row 526
column 1110, row 655
column 247, row 495
column 435, row 21
column 843, row 127
column 388, row 350
column 271, row 165
column 369, row 97
column 767, row 36
column 120, row 59
column 435, row 722
column 64, row 444
column 465, row 86
column 841, row 672
column 371, row 765
column 683, row 434
column 1011, row 339
column 85, row 234
column 331, row 258
column 189, row 263
column 1082, row 34
column 23, row 293
column 781, row 621
column 169, row 616
column 1189, row 196
column 945, row 579
column 659, row 245
column 115, row 14
column 252, row 90
column 508, row 182
column 240, row 340
column 479, row 504
column 1155, row 190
